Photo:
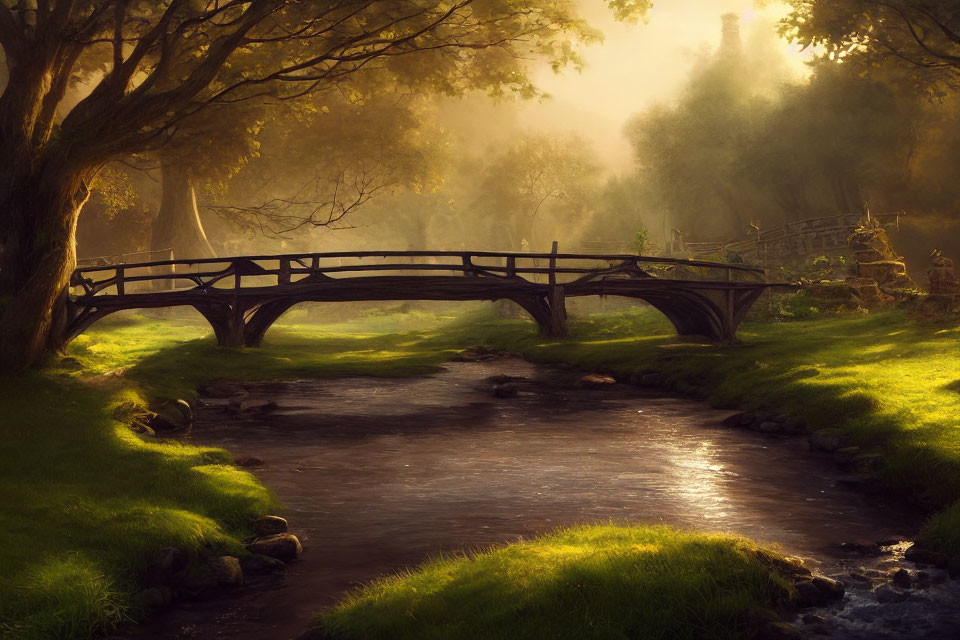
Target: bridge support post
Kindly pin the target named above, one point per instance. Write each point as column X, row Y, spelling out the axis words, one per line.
column 558, row 313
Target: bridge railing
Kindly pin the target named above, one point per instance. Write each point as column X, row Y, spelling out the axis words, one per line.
column 243, row 272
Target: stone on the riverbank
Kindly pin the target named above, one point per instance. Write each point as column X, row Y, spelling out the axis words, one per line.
column 480, row 353
column 919, row 555
column 735, row 421
column 269, row 526
column 844, row 455
column 172, row 415
column 226, row 571
column 257, row 564
column 283, row 546
column 828, row 440
column 793, row 426
column 769, row 426
column 646, row 379
column 506, row 390
column 595, row 381
column 70, row 364
column 157, row 598
column 818, row 591
column 831, row 589
column 249, row 461
column 165, row 563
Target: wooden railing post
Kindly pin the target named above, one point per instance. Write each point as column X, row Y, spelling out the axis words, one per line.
column 237, row 277
column 284, row 276
column 511, row 266
column 119, row 277
column 557, row 300
column 468, row 268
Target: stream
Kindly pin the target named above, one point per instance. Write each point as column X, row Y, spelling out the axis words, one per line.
column 378, row 474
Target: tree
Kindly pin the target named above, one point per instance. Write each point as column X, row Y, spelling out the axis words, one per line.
column 151, row 65
column 207, row 149
column 537, row 174
column 324, row 159
column 920, row 35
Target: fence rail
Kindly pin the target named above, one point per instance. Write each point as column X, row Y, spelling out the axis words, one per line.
column 237, row 272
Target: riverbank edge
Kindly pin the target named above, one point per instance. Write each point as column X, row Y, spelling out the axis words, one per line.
column 868, row 469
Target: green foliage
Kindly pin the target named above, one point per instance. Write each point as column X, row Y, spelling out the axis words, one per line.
column 641, row 241
column 873, row 36
column 584, row 582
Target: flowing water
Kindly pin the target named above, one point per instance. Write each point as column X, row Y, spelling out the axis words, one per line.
column 377, row 475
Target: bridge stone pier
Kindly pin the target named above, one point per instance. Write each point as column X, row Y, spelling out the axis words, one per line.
column 241, row 297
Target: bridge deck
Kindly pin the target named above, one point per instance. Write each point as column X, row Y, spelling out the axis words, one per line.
column 242, row 296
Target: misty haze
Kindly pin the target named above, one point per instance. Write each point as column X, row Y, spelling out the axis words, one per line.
column 470, row 319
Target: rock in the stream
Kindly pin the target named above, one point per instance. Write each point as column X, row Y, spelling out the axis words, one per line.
column 867, row 549
column 506, row 390
column 236, row 403
column 595, row 381
column 503, row 378
column 226, row 571
column 269, row 526
column 257, row 564
column 172, row 415
column 901, row 578
column 818, row 591
column 283, row 546
column 165, row 563
column 886, row 594
column 828, row 440
column 249, row 461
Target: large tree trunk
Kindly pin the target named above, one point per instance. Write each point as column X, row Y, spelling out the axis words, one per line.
column 38, row 218
column 177, row 225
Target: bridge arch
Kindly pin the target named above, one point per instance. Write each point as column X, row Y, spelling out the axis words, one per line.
column 241, row 301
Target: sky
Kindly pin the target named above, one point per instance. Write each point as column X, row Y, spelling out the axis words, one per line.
column 637, row 66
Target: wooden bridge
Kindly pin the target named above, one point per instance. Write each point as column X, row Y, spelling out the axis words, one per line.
column 241, row 297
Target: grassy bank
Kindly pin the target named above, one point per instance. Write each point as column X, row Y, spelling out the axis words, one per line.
column 86, row 502
column 584, row 582
column 890, row 384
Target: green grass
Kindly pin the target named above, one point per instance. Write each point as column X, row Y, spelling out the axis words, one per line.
column 86, row 502
column 581, row 583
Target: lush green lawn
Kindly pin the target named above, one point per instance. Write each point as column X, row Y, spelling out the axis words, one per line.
column 585, row 582
column 86, row 502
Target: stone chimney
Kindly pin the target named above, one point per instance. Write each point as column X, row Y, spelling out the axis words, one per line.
column 730, row 45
